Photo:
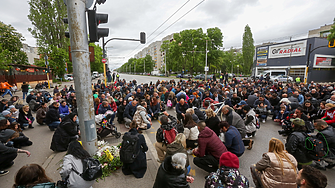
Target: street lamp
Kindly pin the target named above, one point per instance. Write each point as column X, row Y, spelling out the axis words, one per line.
column 206, row 68
column 165, row 61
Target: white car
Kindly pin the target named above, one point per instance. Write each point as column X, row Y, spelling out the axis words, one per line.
column 68, row 77
column 282, row 78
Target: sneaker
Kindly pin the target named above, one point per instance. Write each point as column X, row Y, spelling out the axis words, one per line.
column 51, row 128
column 263, row 121
column 190, row 152
column 127, row 126
column 330, row 166
column 250, row 144
column 3, row 172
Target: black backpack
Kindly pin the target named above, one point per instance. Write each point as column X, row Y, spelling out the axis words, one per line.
column 315, row 148
column 129, row 150
column 91, row 169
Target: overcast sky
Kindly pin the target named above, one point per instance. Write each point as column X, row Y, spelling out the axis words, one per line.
column 270, row 20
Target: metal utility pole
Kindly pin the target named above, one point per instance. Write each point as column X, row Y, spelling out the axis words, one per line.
column 134, row 68
column 82, row 73
column 206, row 61
column 144, row 65
column 165, row 63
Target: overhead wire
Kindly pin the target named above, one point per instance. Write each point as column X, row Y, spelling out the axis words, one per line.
column 161, row 25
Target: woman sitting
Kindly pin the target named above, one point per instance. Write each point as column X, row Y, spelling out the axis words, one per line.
column 73, row 161
column 67, row 131
column 171, row 173
column 276, row 169
column 32, row 175
column 191, row 132
column 309, row 109
column 178, row 146
column 212, row 121
column 320, row 111
column 25, row 119
column 139, row 166
column 20, row 139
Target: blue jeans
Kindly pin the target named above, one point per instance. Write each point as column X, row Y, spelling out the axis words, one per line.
column 27, row 124
column 54, row 124
column 148, row 127
column 7, row 91
column 62, row 116
column 263, row 116
column 112, row 119
column 25, row 94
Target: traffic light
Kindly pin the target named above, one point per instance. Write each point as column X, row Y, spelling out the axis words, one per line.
column 331, row 44
column 48, row 69
column 94, row 19
column 142, row 38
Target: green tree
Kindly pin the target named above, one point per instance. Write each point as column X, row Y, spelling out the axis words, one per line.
column 331, row 37
column 10, row 46
column 97, row 65
column 46, row 17
column 248, row 50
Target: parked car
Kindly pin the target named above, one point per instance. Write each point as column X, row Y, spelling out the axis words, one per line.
column 282, row 78
column 161, row 75
column 179, row 76
column 68, row 77
column 200, row 77
column 188, row 76
column 231, row 75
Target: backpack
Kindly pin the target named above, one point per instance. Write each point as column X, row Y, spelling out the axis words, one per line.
column 169, row 135
column 315, row 148
column 92, row 169
column 169, row 103
column 128, row 151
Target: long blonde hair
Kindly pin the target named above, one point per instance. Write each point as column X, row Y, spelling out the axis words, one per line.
column 210, row 113
column 181, row 139
column 277, row 147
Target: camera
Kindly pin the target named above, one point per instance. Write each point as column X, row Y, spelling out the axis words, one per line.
column 287, row 128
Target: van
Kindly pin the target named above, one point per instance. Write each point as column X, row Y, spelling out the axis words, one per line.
column 95, row 74
column 272, row 73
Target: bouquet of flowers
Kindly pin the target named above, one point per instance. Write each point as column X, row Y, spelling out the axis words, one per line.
column 109, row 157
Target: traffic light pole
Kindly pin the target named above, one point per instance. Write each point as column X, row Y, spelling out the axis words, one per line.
column 82, row 73
column 104, row 56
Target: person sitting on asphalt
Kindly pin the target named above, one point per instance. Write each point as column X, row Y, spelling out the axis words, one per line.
column 161, row 140
column 326, row 134
column 309, row 177
column 250, row 121
column 15, row 112
column 191, row 132
column 155, row 108
column 228, row 174
column 276, row 169
column 139, row 166
column 210, row 149
column 260, row 99
column 8, row 154
column 104, row 107
column 67, row 131
column 25, row 119
column 141, row 117
column 63, row 109
column 52, row 118
column 194, row 116
column 233, row 140
column 295, row 142
column 178, row 146
column 3, row 105
column 181, row 108
column 31, row 94
column 212, row 121
column 6, row 115
column 171, row 172
column 329, row 116
column 73, row 166
column 32, row 175
column 41, row 113
column 129, row 112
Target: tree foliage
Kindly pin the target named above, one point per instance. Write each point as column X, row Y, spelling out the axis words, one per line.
column 56, row 58
column 139, row 65
column 331, row 37
column 46, row 17
column 97, row 65
column 10, row 46
column 248, row 49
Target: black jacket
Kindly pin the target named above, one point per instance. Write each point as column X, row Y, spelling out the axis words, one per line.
column 64, row 134
column 169, row 177
column 25, row 87
column 52, row 115
column 213, row 123
column 219, row 97
column 139, row 166
column 200, row 114
column 295, row 145
column 329, row 134
column 22, row 116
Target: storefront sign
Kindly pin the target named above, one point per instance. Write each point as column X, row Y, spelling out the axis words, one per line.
column 324, row 61
column 262, row 52
column 292, row 49
column 261, row 63
column 30, row 70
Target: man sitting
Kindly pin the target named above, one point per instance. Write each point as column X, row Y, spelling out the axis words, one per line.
column 52, row 118
column 309, row 177
column 233, row 139
column 210, row 149
column 181, row 108
column 129, row 112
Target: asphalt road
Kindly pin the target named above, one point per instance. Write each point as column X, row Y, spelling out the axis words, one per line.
column 267, row 131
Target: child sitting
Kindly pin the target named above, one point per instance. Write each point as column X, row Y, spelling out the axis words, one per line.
column 283, row 113
column 262, row 112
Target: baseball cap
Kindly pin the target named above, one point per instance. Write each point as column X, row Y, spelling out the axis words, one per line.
column 11, row 106
column 5, row 113
column 242, row 103
column 298, row 121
